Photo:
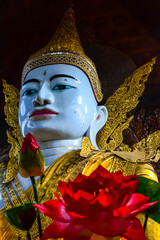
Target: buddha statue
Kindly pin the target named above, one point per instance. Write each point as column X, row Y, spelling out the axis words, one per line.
column 58, row 104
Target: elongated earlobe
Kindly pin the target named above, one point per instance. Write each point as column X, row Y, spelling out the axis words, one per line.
column 97, row 123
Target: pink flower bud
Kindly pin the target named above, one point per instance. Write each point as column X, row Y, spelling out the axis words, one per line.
column 31, row 161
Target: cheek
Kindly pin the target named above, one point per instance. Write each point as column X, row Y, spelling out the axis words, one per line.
column 71, row 103
column 85, row 112
column 24, row 109
column 78, row 110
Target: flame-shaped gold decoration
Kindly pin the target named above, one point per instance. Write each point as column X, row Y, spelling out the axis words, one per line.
column 123, row 100
column 14, row 136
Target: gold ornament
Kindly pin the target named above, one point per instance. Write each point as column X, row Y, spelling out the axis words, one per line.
column 149, row 147
column 123, row 100
column 14, row 136
column 65, row 47
column 87, row 147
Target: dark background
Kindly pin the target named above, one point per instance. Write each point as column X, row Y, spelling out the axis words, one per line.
column 119, row 35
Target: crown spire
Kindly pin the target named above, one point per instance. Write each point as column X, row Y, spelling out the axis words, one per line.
column 66, row 38
column 65, row 47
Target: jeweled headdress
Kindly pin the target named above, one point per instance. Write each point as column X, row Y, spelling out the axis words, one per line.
column 65, row 48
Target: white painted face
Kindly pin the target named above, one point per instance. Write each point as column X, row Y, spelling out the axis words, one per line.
column 56, row 102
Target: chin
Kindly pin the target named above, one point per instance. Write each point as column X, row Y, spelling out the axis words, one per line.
column 50, row 134
column 45, row 135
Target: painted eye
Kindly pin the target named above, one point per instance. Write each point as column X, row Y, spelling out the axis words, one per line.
column 62, row 87
column 29, row 92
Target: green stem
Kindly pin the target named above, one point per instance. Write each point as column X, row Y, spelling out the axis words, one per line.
column 28, row 235
column 145, row 221
column 36, row 199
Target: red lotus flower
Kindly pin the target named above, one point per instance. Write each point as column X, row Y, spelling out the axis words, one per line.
column 102, row 204
column 31, row 161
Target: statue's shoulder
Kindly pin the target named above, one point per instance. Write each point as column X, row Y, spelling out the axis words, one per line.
column 128, row 162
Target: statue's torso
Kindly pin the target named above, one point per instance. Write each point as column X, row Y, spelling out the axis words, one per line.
column 64, row 168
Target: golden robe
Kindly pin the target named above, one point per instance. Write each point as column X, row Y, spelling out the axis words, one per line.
column 68, row 167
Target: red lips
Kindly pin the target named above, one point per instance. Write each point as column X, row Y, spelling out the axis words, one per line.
column 42, row 113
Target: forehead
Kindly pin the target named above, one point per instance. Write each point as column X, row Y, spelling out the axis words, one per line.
column 48, row 71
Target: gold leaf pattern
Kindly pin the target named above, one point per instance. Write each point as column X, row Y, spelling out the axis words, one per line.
column 14, row 136
column 149, row 146
column 122, row 101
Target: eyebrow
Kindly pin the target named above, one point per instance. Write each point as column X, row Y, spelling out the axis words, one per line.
column 30, row 80
column 53, row 77
column 62, row 75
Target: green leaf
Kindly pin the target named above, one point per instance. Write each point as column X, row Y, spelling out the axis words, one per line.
column 22, row 217
column 150, row 188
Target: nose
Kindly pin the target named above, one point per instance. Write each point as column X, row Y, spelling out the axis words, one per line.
column 44, row 97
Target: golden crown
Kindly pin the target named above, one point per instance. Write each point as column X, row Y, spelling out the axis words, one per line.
column 65, row 47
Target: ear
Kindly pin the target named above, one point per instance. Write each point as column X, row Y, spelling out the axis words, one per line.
column 99, row 120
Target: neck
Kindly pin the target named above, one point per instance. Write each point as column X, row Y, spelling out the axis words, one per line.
column 52, row 150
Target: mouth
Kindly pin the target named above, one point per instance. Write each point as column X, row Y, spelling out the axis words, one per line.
column 43, row 112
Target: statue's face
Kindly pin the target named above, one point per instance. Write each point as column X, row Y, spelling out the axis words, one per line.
column 56, row 102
